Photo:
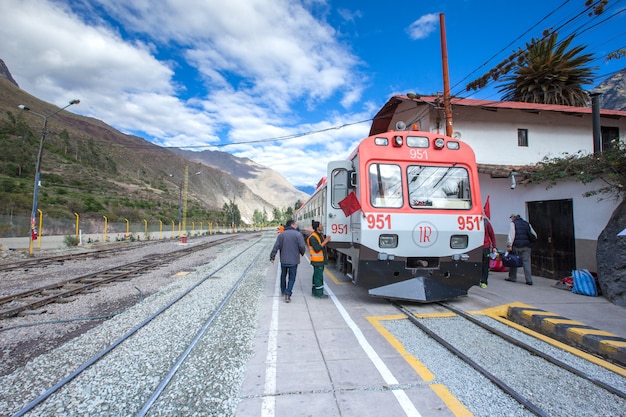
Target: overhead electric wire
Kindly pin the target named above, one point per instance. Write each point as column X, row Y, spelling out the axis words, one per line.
column 510, row 43
column 579, row 30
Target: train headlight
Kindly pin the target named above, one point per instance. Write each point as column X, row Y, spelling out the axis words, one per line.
column 453, row 145
column 388, row 241
column 397, row 141
column 439, row 142
column 417, row 142
column 381, row 141
column 458, row 241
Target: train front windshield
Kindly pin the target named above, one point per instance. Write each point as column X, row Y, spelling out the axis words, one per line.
column 429, row 187
column 439, row 187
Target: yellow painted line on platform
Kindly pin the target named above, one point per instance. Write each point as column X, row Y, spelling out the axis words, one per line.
column 457, row 408
column 418, row 366
column 334, row 279
column 181, row 274
column 496, row 314
column 453, row 404
column 499, row 311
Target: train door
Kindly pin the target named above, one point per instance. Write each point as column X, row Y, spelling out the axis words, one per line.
column 338, row 225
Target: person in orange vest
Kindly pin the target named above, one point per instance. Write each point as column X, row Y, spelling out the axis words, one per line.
column 281, row 228
column 317, row 249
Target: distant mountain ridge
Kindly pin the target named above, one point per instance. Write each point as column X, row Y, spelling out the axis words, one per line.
column 267, row 183
column 614, row 91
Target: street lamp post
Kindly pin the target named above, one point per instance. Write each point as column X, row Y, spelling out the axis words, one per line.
column 33, row 232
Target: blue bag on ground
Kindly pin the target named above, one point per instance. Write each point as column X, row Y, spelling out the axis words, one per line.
column 512, row 261
column 584, row 283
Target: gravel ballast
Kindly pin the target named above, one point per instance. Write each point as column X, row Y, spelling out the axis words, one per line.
column 125, row 378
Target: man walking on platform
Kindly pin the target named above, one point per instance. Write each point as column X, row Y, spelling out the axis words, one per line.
column 317, row 249
column 519, row 241
column 291, row 245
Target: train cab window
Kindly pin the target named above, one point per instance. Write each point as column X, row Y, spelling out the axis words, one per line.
column 385, row 185
column 439, row 187
column 340, row 186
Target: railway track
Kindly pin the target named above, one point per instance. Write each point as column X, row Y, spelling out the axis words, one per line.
column 15, row 304
column 488, row 362
column 42, row 262
column 147, row 380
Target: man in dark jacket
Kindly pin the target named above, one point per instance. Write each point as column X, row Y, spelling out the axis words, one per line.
column 518, row 242
column 291, row 245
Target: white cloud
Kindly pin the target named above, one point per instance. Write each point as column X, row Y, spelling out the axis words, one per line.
column 190, row 73
column 423, row 26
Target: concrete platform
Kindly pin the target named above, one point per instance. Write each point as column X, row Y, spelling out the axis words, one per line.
column 327, row 357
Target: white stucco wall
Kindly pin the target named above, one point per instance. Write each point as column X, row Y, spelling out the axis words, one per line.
column 590, row 214
column 493, row 134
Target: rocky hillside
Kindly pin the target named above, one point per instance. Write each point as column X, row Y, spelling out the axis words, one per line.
column 86, row 152
column 614, row 91
column 266, row 182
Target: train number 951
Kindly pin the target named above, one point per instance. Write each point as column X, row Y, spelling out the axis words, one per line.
column 339, row 229
column 468, row 222
column 380, row 221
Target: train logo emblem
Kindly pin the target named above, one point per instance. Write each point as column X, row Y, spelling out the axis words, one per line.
column 425, row 234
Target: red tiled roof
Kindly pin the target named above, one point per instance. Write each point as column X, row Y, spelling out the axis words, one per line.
column 516, row 105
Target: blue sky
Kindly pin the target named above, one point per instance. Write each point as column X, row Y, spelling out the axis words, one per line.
column 236, row 75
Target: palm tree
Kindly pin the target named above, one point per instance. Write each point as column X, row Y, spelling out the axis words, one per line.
column 548, row 73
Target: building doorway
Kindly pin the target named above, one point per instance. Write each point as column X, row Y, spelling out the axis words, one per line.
column 554, row 254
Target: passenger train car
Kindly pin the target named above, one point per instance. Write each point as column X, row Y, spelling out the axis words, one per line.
column 417, row 232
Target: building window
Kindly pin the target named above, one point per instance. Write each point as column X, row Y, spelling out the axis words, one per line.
column 522, row 137
column 610, row 137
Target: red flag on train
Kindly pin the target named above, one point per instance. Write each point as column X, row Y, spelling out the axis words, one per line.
column 487, row 209
column 350, row 204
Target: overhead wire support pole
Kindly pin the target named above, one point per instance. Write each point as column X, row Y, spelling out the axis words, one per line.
column 447, row 106
column 186, row 189
column 44, row 131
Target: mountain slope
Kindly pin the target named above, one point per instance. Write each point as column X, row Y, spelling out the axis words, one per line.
column 266, row 182
column 85, row 159
column 614, row 91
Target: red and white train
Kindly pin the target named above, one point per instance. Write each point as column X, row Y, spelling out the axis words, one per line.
column 417, row 232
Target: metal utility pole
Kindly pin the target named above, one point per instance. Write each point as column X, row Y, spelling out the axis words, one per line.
column 447, row 106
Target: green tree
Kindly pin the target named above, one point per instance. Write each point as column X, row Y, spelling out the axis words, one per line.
column 288, row 214
column 546, row 71
column 257, row 217
column 608, row 167
column 550, row 73
column 231, row 213
column 277, row 215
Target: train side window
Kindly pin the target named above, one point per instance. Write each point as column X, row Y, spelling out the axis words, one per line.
column 385, row 185
column 439, row 187
column 340, row 186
